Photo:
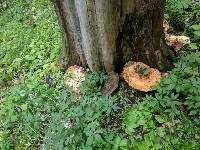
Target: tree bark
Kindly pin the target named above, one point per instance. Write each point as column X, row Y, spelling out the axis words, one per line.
column 105, row 34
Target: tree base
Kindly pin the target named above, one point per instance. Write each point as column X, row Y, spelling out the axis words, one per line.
column 106, row 34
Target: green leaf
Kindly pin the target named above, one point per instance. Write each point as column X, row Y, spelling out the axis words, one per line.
column 116, row 143
column 197, row 33
column 13, row 118
column 196, row 27
column 123, row 143
column 193, row 112
column 148, row 140
column 145, row 72
column 89, row 141
column 24, row 107
column 142, row 121
column 129, row 130
column 193, row 46
column 161, row 131
column 142, row 146
column 157, row 146
column 160, row 118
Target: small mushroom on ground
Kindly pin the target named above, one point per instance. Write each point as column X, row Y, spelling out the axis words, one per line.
column 74, row 76
column 141, row 77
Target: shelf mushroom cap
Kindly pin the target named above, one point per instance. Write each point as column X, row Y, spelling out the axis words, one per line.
column 135, row 78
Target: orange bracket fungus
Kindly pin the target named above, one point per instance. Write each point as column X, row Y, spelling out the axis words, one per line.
column 74, row 76
column 140, row 76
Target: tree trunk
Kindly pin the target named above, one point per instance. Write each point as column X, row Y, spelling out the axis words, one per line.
column 105, row 34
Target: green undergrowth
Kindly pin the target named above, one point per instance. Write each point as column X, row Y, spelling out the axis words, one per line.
column 38, row 112
column 184, row 18
column 170, row 118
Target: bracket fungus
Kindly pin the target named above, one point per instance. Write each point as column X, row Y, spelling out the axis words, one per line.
column 74, row 76
column 141, row 77
column 177, row 42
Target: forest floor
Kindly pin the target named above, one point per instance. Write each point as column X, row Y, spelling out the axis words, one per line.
column 38, row 112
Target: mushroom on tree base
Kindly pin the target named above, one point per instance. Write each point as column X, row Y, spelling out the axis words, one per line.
column 141, row 77
column 177, row 42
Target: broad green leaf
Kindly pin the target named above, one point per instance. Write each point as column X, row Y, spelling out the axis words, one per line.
column 197, row 33
column 123, row 143
column 161, row 132
column 196, row 27
column 193, row 112
column 160, row 118
column 193, row 46
column 24, row 107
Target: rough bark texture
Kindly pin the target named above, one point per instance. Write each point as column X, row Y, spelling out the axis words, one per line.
column 105, row 34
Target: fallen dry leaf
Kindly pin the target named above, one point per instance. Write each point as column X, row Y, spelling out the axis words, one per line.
column 111, row 84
